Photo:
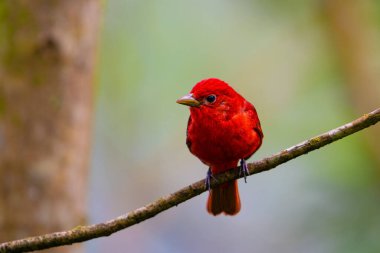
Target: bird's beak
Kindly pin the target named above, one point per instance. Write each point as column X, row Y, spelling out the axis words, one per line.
column 189, row 100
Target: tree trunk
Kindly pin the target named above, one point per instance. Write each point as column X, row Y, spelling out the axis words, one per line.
column 355, row 37
column 47, row 56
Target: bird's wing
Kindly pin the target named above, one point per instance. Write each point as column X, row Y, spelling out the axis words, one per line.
column 188, row 141
column 251, row 111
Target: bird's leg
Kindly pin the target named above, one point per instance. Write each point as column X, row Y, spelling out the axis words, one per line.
column 243, row 169
column 208, row 179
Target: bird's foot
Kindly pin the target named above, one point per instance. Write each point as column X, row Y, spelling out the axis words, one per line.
column 243, row 170
column 208, row 179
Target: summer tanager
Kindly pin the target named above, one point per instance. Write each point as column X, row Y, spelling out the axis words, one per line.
column 223, row 128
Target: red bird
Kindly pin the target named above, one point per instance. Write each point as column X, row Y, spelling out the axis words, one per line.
column 223, row 128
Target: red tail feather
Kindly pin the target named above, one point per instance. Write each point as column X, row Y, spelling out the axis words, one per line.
column 224, row 199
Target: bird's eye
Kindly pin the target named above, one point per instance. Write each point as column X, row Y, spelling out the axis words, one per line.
column 211, row 98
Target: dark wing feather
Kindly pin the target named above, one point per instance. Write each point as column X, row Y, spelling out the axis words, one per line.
column 257, row 127
column 188, row 141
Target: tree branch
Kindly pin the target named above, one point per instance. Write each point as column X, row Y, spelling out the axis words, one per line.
column 84, row 233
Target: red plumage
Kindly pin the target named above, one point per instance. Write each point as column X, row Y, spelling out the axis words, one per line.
column 223, row 128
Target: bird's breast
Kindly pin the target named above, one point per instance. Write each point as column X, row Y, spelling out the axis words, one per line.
column 218, row 140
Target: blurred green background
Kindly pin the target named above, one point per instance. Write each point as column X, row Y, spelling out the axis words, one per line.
column 307, row 66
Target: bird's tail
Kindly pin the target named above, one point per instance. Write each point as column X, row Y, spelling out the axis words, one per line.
column 224, row 199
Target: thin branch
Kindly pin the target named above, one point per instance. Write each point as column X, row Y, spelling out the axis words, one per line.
column 84, row 233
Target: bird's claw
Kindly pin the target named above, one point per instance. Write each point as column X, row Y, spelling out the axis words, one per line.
column 243, row 170
column 208, row 179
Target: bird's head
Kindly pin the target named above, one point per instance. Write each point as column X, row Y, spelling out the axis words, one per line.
column 211, row 94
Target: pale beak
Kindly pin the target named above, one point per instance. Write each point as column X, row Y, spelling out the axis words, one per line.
column 189, row 100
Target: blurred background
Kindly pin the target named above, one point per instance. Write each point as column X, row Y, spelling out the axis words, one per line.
column 307, row 66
